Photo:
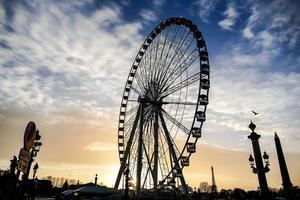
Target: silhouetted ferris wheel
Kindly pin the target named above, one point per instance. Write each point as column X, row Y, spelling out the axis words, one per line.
column 163, row 106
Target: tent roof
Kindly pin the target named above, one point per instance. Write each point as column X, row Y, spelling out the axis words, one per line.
column 94, row 190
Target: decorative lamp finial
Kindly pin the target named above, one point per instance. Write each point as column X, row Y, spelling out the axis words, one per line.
column 251, row 159
column 266, row 156
column 252, row 126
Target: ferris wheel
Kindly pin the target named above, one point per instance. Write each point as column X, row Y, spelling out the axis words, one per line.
column 163, row 106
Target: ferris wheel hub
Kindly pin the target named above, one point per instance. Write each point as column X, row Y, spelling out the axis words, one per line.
column 149, row 101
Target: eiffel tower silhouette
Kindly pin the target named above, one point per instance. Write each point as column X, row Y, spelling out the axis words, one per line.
column 213, row 186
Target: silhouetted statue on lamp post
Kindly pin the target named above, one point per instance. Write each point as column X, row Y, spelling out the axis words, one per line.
column 260, row 169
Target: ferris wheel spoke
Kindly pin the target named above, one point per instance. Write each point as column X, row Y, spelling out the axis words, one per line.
column 167, row 152
column 149, row 160
column 155, row 151
column 169, row 140
column 134, row 159
column 144, row 73
column 179, row 46
column 156, row 43
column 136, row 91
column 171, row 147
column 162, row 166
column 185, row 64
column 181, row 85
column 163, row 152
column 129, row 143
column 139, row 82
column 180, row 103
column 144, row 183
column 162, row 49
column 177, row 72
column 132, row 110
column 180, row 57
column 176, row 148
column 177, row 123
column 176, row 52
column 144, row 68
column 133, row 100
column 170, row 46
column 132, row 113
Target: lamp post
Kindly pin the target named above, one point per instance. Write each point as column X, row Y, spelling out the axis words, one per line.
column 35, row 168
column 96, row 178
column 260, row 169
column 35, row 149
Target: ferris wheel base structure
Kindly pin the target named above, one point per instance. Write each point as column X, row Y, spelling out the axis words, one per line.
column 163, row 107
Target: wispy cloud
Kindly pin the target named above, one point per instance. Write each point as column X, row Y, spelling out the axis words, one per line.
column 148, row 15
column 60, row 57
column 277, row 21
column 247, row 31
column 205, row 8
column 231, row 16
column 159, row 3
column 243, row 82
column 101, row 146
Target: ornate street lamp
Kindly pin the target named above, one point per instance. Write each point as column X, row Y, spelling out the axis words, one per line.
column 35, row 168
column 35, row 149
column 96, row 178
column 260, row 169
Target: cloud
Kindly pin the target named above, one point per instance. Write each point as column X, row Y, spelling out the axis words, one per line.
column 159, row 3
column 247, row 33
column 244, row 80
column 231, row 16
column 265, row 39
column 59, row 57
column 274, row 23
column 100, row 146
column 205, row 8
column 251, row 75
column 148, row 15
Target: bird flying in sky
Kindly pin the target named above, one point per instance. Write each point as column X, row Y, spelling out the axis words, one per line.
column 255, row 113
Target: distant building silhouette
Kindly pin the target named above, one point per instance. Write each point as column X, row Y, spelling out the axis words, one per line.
column 65, row 186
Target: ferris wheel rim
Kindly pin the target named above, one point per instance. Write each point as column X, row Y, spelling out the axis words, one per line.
column 128, row 86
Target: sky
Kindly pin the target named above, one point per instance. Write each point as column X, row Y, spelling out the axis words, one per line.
column 64, row 64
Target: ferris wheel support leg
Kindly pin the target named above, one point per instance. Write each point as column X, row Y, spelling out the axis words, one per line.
column 140, row 151
column 155, row 168
column 172, row 150
column 126, row 153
